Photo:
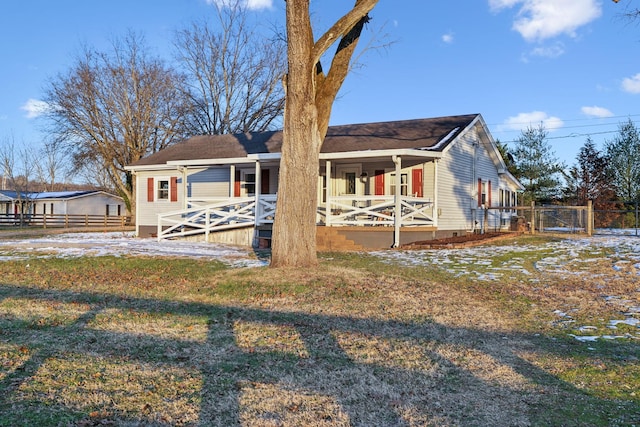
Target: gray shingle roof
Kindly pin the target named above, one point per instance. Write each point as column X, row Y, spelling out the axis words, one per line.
column 404, row 134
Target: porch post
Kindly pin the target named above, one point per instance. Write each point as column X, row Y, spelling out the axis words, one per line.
column 327, row 172
column 256, row 210
column 185, row 203
column 397, row 217
column 436, row 214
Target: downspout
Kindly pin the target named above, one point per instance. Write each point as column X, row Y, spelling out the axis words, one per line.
column 397, row 218
column 135, row 194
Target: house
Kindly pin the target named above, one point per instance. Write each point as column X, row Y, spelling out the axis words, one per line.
column 93, row 202
column 379, row 184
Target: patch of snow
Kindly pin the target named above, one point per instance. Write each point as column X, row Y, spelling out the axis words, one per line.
column 585, row 338
column 73, row 245
column 629, row 321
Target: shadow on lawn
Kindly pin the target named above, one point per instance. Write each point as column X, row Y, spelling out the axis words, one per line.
column 301, row 369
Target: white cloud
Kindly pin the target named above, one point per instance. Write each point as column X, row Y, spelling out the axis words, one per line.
column 525, row 120
column 497, row 5
column 553, row 51
column 596, row 111
column 35, row 108
column 249, row 4
column 447, row 38
column 631, row 84
column 538, row 20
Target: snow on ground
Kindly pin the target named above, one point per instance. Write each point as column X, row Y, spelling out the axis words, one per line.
column 70, row 245
column 468, row 263
column 473, row 264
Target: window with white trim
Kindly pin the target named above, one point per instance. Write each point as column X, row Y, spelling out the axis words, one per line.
column 404, row 184
column 162, row 189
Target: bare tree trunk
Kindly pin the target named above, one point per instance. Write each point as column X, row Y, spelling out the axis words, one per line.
column 309, row 97
column 294, row 228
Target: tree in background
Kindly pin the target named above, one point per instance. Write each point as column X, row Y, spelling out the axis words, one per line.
column 18, row 163
column 52, row 162
column 233, row 75
column 537, row 168
column 113, row 108
column 508, row 158
column 623, row 160
column 630, row 13
column 310, row 93
column 589, row 180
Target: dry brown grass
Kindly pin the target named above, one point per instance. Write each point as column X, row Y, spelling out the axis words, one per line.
column 355, row 342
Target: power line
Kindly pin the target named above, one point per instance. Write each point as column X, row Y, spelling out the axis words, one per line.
column 498, row 125
column 580, row 134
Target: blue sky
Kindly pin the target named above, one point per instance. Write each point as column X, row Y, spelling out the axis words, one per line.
column 569, row 64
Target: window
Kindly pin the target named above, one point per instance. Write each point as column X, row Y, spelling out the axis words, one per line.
column 404, row 184
column 163, row 189
column 323, row 188
column 250, row 183
column 484, row 193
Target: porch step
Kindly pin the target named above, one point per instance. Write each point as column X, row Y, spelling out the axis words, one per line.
column 330, row 239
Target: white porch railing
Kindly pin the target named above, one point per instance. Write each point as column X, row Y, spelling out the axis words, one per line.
column 205, row 216
column 377, row 210
column 208, row 215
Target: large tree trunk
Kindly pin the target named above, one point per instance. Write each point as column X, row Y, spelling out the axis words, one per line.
column 294, row 228
column 309, row 96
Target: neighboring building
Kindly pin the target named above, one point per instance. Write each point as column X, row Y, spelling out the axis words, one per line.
column 224, row 187
column 61, row 203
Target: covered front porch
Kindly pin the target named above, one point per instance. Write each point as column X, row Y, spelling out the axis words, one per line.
column 204, row 217
column 354, row 190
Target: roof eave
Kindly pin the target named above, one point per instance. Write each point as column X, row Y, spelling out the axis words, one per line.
column 404, row 152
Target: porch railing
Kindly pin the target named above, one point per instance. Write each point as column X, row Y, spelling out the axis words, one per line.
column 376, row 210
column 203, row 216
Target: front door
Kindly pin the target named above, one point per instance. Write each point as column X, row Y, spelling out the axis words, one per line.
column 348, row 180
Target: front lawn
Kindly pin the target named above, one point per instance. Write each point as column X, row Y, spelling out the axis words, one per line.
column 428, row 338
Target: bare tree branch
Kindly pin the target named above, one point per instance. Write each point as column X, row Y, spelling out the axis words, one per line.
column 233, row 74
column 113, row 108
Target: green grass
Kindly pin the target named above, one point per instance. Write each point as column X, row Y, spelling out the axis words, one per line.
column 357, row 341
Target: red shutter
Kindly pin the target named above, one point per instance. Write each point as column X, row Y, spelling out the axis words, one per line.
column 236, row 185
column 173, row 189
column 416, row 185
column 379, row 184
column 150, row 189
column 264, row 181
column 489, row 194
column 479, row 192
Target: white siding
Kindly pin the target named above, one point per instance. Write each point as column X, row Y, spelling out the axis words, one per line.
column 93, row 205
column 147, row 212
column 457, row 186
column 209, row 182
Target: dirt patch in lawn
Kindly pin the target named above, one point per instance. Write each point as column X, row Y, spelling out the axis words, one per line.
column 460, row 241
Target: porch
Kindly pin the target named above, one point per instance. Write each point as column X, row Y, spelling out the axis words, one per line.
column 206, row 216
